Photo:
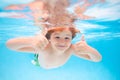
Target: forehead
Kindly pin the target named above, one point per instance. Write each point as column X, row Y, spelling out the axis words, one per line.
column 63, row 32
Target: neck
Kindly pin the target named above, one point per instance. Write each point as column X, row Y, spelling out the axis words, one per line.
column 58, row 52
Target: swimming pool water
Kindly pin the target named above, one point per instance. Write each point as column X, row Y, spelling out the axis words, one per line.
column 104, row 35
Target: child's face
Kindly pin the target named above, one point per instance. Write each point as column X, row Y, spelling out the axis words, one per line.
column 61, row 40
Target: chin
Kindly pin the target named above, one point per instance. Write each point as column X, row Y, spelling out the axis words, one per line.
column 62, row 48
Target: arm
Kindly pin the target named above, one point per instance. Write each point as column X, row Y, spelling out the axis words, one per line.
column 21, row 44
column 83, row 50
column 16, row 7
column 27, row 44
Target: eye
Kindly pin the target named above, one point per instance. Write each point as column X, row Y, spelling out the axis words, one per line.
column 67, row 38
column 57, row 37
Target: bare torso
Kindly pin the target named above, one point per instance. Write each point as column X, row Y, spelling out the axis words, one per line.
column 50, row 59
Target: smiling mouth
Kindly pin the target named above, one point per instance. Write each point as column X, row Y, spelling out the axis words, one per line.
column 61, row 46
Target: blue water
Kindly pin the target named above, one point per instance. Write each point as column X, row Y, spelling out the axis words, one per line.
column 104, row 35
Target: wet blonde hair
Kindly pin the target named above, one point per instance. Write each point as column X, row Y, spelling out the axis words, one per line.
column 58, row 12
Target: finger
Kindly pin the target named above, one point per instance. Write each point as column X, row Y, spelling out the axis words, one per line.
column 36, row 50
column 44, row 41
column 41, row 44
column 82, row 38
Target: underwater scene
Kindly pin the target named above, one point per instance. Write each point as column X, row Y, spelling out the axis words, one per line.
column 99, row 21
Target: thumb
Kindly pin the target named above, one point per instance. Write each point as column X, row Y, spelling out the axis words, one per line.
column 83, row 37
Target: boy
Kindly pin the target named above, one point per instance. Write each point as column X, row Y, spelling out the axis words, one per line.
column 55, row 48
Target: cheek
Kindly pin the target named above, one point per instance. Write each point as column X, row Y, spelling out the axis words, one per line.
column 53, row 41
column 68, row 43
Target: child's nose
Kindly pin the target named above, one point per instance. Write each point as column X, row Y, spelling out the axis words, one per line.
column 62, row 41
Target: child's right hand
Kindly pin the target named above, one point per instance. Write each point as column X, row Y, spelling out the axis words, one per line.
column 40, row 42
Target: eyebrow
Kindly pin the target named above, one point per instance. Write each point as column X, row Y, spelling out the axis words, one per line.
column 68, row 35
column 56, row 33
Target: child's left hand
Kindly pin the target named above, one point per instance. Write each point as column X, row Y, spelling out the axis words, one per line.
column 83, row 50
column 80, row 47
